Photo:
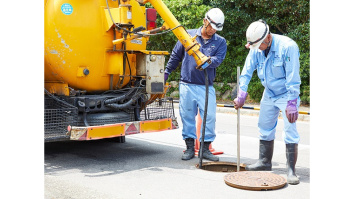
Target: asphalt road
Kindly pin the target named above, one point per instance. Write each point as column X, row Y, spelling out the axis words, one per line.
column 150, row 166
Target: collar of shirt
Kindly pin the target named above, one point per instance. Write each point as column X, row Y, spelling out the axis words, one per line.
column 199, row 33
column 275, row 46
column 272, row 46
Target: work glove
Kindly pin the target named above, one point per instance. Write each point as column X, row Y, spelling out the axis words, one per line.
column 203, row 66
column 166, row 77
column 291, row 111
column 239, row 101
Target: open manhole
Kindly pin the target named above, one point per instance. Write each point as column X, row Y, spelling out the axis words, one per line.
column 222, row 166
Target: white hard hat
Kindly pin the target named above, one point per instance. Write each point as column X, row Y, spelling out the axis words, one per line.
column 216, row 18
column 256, row 33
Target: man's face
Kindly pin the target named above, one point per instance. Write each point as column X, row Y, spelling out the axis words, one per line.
column 265, row 43
column 210, row 31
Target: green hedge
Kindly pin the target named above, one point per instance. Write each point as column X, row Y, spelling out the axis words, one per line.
column 287, row 17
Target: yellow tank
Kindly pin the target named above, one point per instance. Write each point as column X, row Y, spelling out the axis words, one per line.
column 78, row 43
column 85, row 51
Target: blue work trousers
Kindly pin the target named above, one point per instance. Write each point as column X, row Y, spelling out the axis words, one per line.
column 268, row 119
column 192, row 97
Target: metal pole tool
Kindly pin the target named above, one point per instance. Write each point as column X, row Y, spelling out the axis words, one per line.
column 238, row 123
column 204, row 119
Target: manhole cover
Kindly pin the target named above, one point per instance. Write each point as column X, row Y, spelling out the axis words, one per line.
column 221, row 166
column 255, row 180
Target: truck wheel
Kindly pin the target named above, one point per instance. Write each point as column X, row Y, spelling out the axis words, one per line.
column 120, row 139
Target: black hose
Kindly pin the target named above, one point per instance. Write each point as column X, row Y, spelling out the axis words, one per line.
column 137, row 111
column 121, row 106
column 130, row 70
column 133, row 99
column 205, row 117
column 124, row 65
column 82, row 105
column 116, row 99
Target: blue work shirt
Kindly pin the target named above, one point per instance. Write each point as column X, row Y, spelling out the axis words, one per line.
column 215, row 47
column 278, row 72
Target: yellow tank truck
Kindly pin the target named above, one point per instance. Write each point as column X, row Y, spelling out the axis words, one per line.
column 100, row 81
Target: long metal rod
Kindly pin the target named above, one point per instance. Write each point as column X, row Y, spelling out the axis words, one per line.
column 238, row 123
column 204, row 118
column 247, row 107
column 254, row 108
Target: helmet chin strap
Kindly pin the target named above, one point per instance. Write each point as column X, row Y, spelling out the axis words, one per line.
column 205, row 30
column 268, row 43
column 206, row 26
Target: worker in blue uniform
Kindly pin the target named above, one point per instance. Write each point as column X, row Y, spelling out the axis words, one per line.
column 276, row 59
column 192, row 81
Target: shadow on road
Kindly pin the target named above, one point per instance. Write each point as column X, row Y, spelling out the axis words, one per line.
column 99, row 158
column 105, row 157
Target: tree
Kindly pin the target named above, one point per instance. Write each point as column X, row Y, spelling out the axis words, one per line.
column 286, row 17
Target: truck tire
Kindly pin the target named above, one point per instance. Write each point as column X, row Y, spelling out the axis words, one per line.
column 120, row 139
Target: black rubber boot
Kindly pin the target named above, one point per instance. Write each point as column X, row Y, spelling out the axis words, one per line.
column 291, row 156
column 264, row 162
column 189, row 153
column 207, row 154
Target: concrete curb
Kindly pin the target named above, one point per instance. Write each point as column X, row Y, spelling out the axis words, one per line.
column 302, row 117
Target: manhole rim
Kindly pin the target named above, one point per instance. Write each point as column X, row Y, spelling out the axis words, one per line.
column 222, row 163
column 256, row 188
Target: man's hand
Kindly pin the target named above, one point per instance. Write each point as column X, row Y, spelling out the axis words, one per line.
column 166, row 77
column 239, row 101
column 203, row 66
column 291, row 111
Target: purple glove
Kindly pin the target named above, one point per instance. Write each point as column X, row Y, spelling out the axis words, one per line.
column 240, row 100
column 166, row 77
column 291, row 111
